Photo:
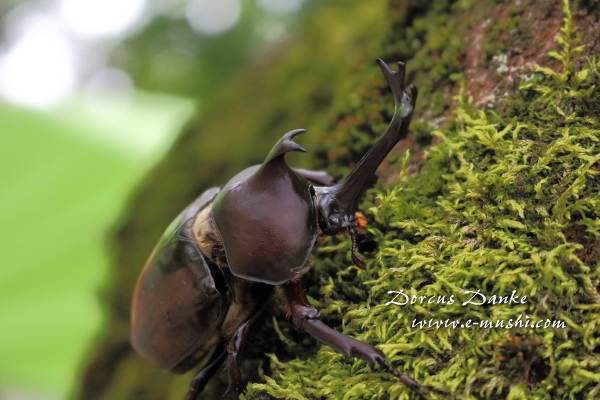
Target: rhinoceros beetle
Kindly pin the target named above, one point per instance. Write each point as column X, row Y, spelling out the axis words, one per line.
column 203, row 288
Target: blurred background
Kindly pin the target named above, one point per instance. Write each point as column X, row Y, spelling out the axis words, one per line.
column 92, row 94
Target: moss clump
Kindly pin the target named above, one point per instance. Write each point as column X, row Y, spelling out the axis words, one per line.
column 513, row 26
column 509, row 201
column 429, row 35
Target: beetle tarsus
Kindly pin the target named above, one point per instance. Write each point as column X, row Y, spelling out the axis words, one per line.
column 415, row 386
column 414, row 93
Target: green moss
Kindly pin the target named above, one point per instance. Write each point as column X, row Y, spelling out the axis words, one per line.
column 512, row 35
column 508, row 201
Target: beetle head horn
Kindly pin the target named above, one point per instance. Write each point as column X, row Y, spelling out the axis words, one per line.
column 337, row 204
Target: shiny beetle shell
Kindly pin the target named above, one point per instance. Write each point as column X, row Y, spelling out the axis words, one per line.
column 176, row 305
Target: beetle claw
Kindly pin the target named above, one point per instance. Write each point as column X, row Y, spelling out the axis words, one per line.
column 420, row 389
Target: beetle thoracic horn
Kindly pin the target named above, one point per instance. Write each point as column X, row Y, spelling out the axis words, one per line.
column 284, row 145
column 339, row 203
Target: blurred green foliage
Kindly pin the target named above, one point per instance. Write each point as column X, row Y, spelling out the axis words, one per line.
column 62, row 186
column 167, row 55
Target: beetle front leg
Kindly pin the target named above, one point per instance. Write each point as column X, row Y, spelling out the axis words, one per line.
column 306, row 317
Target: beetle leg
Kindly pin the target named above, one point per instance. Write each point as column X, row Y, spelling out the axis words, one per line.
column 238, row 340
column 319, row 177
column 306, row 317
column 201, row 379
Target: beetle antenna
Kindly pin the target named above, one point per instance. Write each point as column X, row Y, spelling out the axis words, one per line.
column 359, row 262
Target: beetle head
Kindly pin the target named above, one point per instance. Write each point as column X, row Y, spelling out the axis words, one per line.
column 266, row 218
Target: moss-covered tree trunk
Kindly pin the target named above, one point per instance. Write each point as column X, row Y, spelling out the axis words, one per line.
column 505, row 199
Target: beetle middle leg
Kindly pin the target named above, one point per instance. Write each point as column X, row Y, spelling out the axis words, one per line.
column 319, row 177
column 201, row 379
column 306, row 317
